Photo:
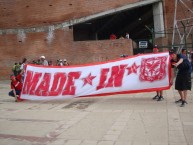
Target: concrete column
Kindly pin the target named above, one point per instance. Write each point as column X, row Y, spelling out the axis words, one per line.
column 158, row 19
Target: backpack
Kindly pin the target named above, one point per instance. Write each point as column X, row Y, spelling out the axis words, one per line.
column 17, row 68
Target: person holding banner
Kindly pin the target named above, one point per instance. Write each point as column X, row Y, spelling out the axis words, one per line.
column 159, row 94
column 183, row 78
column 16, row 87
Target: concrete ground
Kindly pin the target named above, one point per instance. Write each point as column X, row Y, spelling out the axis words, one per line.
column 131, row 119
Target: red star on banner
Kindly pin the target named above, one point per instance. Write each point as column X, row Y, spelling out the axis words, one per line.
column 88, row 79
column 132, row 69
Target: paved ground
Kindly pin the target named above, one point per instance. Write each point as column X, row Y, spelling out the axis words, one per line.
column 133, row 119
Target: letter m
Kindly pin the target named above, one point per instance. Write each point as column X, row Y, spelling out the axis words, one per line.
column 30, row 83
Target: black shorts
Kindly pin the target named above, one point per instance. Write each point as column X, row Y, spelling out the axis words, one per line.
column 183, row 82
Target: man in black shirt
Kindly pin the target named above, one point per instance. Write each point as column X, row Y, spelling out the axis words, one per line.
column 183, row 78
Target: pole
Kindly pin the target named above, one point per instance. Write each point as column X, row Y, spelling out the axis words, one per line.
column 173, row 37
column 185, row 45
column 192, row 43
column 152, row 34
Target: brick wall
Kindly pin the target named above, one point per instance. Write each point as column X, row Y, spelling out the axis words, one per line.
column 43, row 12
column 61, row 47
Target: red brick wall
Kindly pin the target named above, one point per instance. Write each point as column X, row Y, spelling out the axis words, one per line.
column 61, row 47
column 43, row 12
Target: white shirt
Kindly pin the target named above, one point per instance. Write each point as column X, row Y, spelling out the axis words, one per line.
column 22, row 66
column 45, row 62
column 127, row 36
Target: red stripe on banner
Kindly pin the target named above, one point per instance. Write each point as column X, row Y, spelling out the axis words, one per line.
column 129, row 92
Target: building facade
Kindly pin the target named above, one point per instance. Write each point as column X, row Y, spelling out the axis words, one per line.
column 79, row 30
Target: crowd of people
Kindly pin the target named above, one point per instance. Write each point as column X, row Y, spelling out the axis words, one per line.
column 113, row 36
column 18, row 66
column 42, row 61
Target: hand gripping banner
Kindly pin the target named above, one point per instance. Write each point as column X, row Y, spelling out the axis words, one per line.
column 140, row 73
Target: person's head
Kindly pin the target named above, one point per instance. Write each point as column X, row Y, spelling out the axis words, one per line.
column 50, row 62
column 34, row 62
column 173, row 54
column 184, row 51
column 65, row 60
column 12, row 77
column 155, row 49
column 24, row 60
column 42, row 57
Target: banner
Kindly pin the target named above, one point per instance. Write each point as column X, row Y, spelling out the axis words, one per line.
column 140, row 73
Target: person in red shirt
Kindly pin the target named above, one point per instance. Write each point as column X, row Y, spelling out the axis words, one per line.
column 16, row 87
column 155, row 49
column 113, row 36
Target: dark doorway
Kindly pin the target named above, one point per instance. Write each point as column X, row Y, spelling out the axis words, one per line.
column 134, row 21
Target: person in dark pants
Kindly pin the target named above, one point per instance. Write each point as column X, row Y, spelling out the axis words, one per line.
column 16, row 87
column 159, row 94
column 183, row 78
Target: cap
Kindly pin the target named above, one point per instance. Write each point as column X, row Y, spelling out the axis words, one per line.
column 43, row 57
column 65, row 60
column 60, row 60
column 171, row 51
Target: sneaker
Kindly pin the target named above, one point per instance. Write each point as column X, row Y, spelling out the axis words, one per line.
column 156, row 97
column 183, row 104
column 178, row 101
column 160, row 98
column 16, row 98
column 186, row 102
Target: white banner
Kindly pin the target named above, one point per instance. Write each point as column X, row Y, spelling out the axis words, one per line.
column 140, row 73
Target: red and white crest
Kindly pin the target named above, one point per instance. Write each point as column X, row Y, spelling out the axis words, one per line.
column 153, row 69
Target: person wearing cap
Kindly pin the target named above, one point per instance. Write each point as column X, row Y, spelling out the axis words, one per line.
column 43, row 61
column 184, row 51
column 159, row 94
column 155, row 49
column 60, row 63
column 127, row 36
column 113, row 36
column 183, row 77
column 16, row 87
column 65, row 62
